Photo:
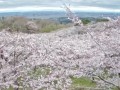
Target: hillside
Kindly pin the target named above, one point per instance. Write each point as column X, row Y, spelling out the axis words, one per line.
column 48, row 61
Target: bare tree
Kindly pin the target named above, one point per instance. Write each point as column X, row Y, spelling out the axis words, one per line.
column 71, row 16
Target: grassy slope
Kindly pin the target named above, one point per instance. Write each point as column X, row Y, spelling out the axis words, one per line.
column 82, row 83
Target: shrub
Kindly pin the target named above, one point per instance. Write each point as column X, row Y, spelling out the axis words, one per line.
column 102, row 20
column 15, row 23
column 85, row 21
column 23, row 24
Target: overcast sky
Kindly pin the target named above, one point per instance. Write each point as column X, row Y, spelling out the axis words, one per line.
column 81, row 5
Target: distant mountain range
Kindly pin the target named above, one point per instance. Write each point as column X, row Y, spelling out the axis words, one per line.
column 57, row 14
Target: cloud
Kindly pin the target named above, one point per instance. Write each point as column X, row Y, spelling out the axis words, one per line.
column 39, row 8
column 29, row 8
column 12, row 5
column 75, row 0
column 98, row 3
column 1, row 1
column 94, row 9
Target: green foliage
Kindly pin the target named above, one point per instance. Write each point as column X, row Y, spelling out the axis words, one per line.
column 85, row 21
column 14, row 23
column 19, row 24
column 44, row 25
column 89, row 20
column 102, row 20
column 64, row 20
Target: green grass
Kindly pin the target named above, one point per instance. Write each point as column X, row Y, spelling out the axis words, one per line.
column 11, row 88
column 115, row 88
column 81, row 83
column 52, row 27
column 84, row 82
